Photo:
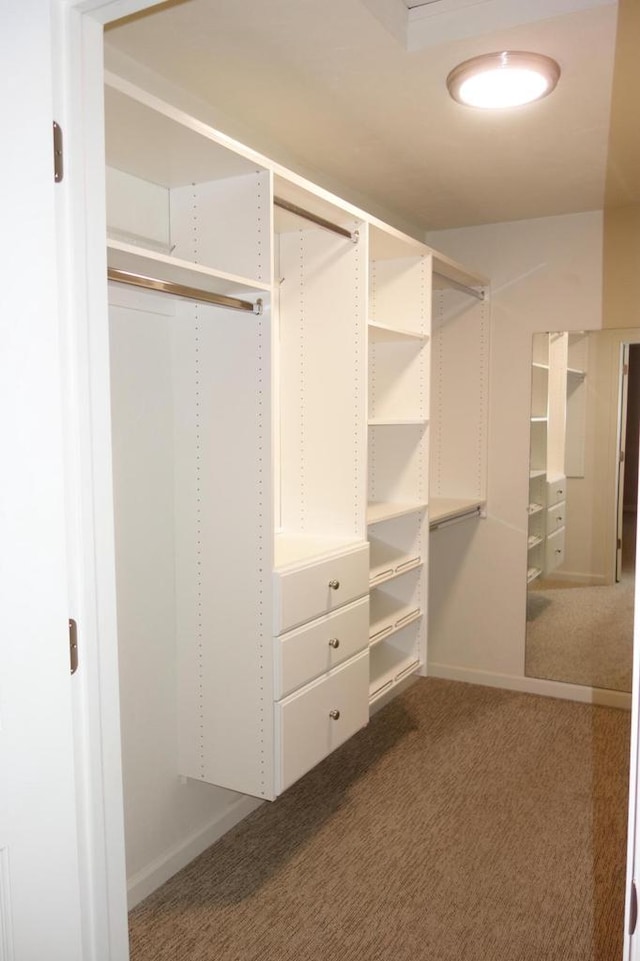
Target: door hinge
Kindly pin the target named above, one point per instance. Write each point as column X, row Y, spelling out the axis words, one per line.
column 622, row 457
column 58, row 167
column 633, row 909
column 73, row 645
column 625, row 370
column 619, row 543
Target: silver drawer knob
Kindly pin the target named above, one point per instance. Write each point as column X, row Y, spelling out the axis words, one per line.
column 334, row 642
column 334, row 715
column 334, row 585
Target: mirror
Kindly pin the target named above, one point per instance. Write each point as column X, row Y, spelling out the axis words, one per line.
column 583, row 491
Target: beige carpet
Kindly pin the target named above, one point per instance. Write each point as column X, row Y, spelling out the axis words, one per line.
column 582, row 635
column 464, row 824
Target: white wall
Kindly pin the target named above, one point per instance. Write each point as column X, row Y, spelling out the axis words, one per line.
column 546, row 274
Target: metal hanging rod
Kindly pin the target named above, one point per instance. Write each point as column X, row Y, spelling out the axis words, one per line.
column 478, row 294
column 179, row 290
column 320, row 221
column 450, row 521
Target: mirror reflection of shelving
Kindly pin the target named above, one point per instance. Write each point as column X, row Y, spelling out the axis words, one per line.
column 398, row 441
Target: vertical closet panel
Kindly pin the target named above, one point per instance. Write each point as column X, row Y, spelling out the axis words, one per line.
column 459, row 398
column 322, row 378
column 224, row 546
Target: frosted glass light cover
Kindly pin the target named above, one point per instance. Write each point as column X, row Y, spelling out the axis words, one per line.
column 506, row 79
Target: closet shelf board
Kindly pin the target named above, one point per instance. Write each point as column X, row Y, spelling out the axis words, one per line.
column 448, row 508
column 398, row 422
column 151, row 263
column 379, row 333
column 388, row 668
column 378, row 511
column 388, row 615
column 293, row 549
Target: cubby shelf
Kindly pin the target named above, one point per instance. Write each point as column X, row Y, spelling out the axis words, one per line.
column 388, row 667
column 381, row 332
column 398, row 422
column 378, row 512
column 388, row 615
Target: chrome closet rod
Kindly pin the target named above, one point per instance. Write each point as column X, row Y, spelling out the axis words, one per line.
column 180, row 290
column 478, row 294
column 320, row 221
column 449, row 521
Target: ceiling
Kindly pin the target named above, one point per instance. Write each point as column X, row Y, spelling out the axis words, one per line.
column 352, row 93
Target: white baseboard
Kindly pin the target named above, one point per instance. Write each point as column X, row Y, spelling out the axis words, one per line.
column 145, row 882
column 533, row 685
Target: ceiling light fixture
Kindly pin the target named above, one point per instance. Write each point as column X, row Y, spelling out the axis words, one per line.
column 507, row 79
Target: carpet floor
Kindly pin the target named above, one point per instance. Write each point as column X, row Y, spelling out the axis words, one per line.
column 463, row 824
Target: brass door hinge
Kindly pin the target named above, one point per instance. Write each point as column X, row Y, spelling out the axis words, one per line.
column 58, row 167
column 73, row 645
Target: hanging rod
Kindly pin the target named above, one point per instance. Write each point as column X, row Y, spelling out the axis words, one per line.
column 320, row 221
column 478, row 294
column 456, row 519
column 179, row 290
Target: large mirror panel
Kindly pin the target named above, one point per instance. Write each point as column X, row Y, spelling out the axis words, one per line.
column 583, row 492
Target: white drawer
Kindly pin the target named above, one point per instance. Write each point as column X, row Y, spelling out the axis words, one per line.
column 321, row 645
column 307, row 592
column 554, row 551
column 556, row 517
column 306, row 732
column 556, row 491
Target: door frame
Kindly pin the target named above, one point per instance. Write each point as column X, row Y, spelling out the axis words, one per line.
column 82, row 272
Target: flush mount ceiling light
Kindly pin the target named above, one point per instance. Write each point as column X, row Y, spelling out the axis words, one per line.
column 506, row 79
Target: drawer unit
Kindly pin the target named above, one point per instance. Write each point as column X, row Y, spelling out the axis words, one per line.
column 556, row 517
column 556, row 491
column 318, row 647
column 554, row 550
column 314, row 721
column 305, row 592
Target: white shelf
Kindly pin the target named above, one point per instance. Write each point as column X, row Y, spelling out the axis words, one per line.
column 388, row 667
column 293, row 549
column 164, row 267
column 534, row 474
column 398, row 422
column 379, row 333
column 387, row 562
column 539, row 420
column 533, row 573
column 534, row 509
column 385, row 511
column 450, row 508
column 388, row 615
column 533, row 541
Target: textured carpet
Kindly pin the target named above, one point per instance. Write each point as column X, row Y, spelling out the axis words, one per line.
column 582, row 635
column 464, row 824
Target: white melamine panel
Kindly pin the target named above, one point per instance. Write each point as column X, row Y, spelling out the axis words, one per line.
column 539, row 390
column 459, row 395
column 306, row 731
column 554, row 551
column 137, row 210
column 224, row 546
column 395, row 658
column 398, row 458
column 303, row 593
column 556, row 517
column 556, row 490
column 396, row 547
column 395, row 604
column 225, row 224
column 558, row 343
column 306, row 653
column 400, row 293
column 322, row 383
column 398, row 387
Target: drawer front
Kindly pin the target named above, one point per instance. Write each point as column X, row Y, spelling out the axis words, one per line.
column 554, row 550
column 556, row 517
column 307, row 592
column 305, row 730
column 318, row 647
column 556, row 491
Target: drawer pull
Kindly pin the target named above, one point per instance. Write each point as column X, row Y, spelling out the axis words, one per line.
column 334, row 585
column 334, row 715
column 334, row 642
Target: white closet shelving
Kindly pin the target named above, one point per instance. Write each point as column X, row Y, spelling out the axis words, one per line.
column 547, row 480
column 399, row 332
column 270, row 452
